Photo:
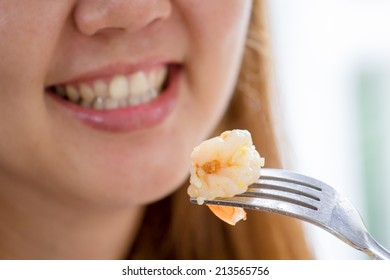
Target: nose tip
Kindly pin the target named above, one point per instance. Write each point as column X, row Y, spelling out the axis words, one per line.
column 98, row 16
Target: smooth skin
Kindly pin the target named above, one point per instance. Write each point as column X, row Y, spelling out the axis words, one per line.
column 70, row 191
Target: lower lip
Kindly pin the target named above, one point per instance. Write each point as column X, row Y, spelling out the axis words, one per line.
column 129, row 118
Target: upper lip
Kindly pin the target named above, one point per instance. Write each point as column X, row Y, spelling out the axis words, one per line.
column 109, row 70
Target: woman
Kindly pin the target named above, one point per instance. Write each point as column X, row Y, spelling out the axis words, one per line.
column 103, row 102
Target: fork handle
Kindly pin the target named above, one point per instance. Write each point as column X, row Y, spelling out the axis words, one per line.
column 376, row 250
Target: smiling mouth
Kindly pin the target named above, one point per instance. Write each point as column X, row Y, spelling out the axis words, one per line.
column 118, row 91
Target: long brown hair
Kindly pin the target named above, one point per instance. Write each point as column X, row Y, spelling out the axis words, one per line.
column 174, row 229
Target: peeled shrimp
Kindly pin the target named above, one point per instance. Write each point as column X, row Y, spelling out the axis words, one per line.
column 224, row 166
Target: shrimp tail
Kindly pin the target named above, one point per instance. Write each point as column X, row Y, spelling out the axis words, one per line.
column 228, row 214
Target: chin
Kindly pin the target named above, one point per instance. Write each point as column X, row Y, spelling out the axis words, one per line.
column 123, row 188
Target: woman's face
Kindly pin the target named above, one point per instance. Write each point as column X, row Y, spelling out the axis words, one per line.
column 144, row 82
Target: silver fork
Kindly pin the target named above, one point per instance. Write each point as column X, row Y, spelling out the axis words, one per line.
column 299, row 196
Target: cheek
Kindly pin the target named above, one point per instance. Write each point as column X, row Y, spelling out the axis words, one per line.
column 22, row 45
column 219, row 24
column 25, row 56
column 217, row 32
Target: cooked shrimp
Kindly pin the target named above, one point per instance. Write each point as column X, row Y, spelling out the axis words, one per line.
column 228, row 214
column 224, row 166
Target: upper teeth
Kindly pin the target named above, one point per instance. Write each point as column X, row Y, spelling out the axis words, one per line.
column 120, row 91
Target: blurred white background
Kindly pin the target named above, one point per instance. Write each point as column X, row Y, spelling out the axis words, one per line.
column 332, row 69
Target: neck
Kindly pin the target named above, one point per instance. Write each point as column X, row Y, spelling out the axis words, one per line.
column 37, row 226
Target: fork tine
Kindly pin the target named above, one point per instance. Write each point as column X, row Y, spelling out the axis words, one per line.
column 281, row 194
column 291, row 187
column 283, row 185
column 268, row 204
column 291, row 177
